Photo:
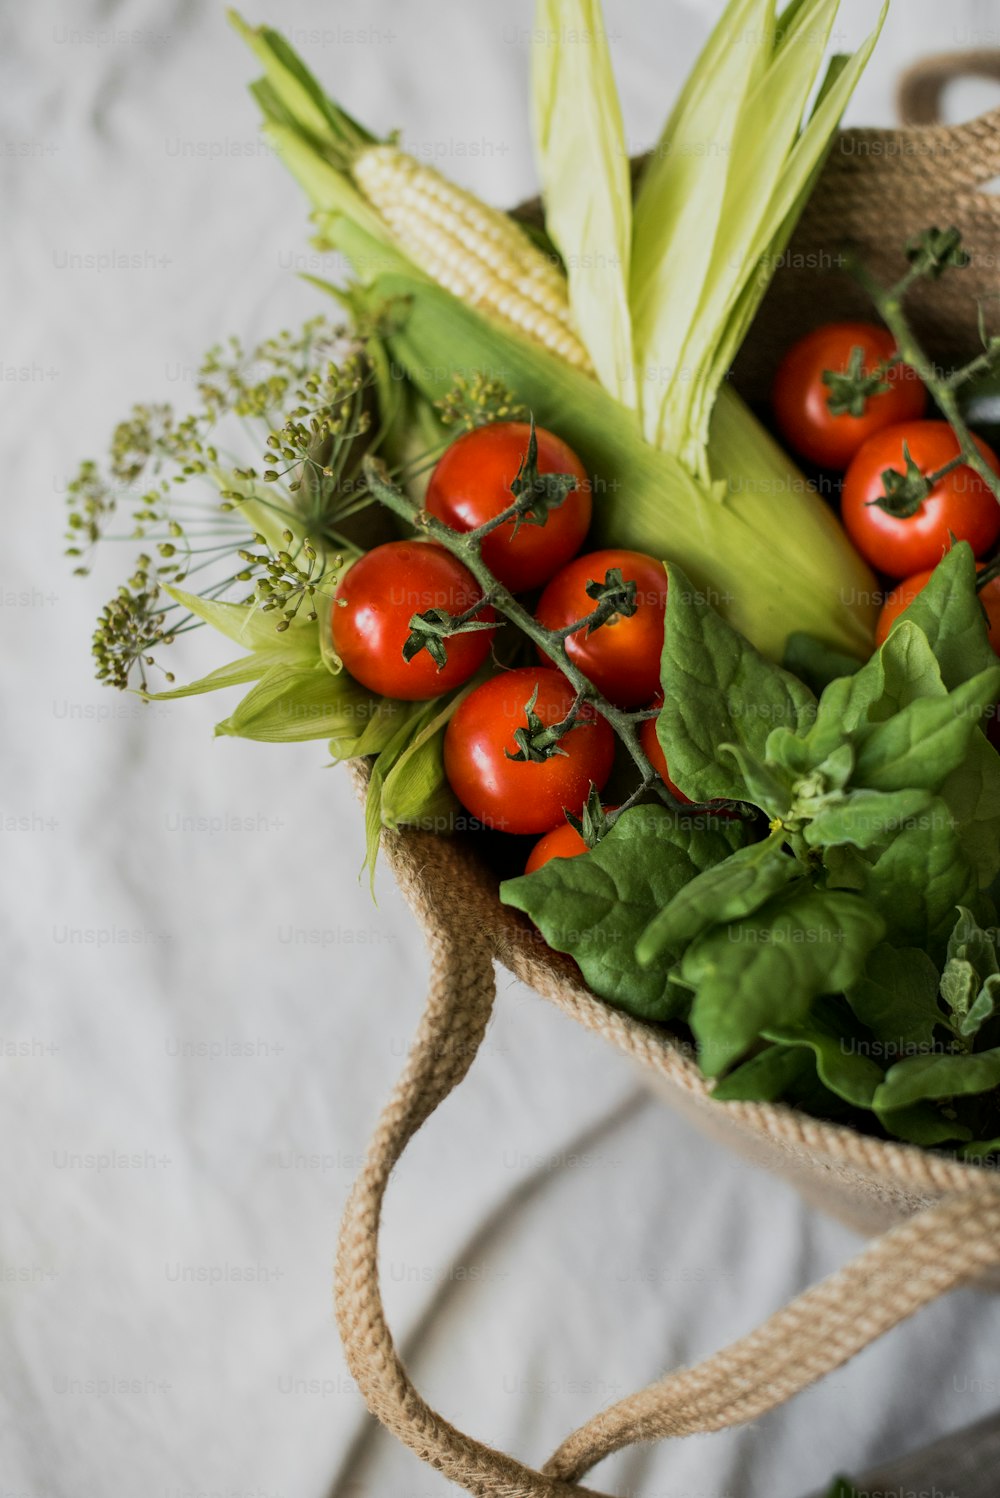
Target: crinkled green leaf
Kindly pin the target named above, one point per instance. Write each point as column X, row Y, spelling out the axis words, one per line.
column 970, row 983
column 766, row 970
column 981, row 1149
column 597, row 905
column 766, row 786
column 896, row 998
column 764, row 1078
column 921, row 1078
column 948, row 612
column 726, row 892
column 841, row 1061
column 923, row 1124
column 972, row 795
column 863, row 817
column 815, row 663
column 923, row 743
column 909, row 670
column 920, row 878
column 717, row 689
column 902, row 671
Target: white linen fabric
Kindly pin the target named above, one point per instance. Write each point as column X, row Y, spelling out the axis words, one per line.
column 202, row 1009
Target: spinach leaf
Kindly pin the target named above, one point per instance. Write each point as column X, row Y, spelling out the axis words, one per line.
column 767, row 969
column 726, row 892
column 921, row 745
column 597, row 905
column 717, row 689
column 919, row 1078
column 972, row 795
column 910, row 670
column 896, row 998
column 863, row 818
column 841, row 1061
column 764, row 1078
column 920, row 877
column 922, row 1124
column 948, row 612
column 970, row 983
column 815, row 663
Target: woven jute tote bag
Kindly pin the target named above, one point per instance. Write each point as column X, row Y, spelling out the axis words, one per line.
column 939, row 1218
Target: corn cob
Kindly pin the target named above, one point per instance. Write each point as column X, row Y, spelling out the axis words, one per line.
column 471, row 250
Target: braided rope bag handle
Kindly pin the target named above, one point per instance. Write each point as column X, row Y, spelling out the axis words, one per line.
column 946, row 1245
column 942, row 1247
column 921, row 88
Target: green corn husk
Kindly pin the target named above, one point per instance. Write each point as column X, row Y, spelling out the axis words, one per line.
column 711, row 490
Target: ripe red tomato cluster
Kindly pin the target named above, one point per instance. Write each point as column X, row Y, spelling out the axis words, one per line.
column 844, row 400
column 379, row 595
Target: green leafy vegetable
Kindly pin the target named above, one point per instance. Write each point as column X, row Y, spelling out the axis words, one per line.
column 597, row 905
column 840, row 1061
column 815, row 663
column 766, row 1077
column 949, row 613
column 718, row 690
column 970, row 983
column 896, row 998
column 726, row 892
column 767, row 970
column 925, row 1077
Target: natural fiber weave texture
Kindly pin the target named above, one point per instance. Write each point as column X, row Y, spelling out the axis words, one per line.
column 943, row 1215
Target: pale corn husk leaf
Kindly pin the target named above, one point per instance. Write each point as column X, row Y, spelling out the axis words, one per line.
column 416, row 791
column 694, row 291
column 745, row 311
column 330, row 190
column 298, row 92
column 769, row 123
column 384, row 721
column 248, row 625
column 292, row 704
column 586, row 181
column 681, row 200
column 797, row 182
column 235, row 674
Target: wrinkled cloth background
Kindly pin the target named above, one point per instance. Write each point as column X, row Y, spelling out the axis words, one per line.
column 222, row 1012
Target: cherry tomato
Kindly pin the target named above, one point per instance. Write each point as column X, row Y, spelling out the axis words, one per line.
column 905, row 592
column 622, row 658
column 653, row 750
column 471, row 484
column 371, row 616
column 960, row 503
column 801, row 397
column 523, row 795
column 561, row 842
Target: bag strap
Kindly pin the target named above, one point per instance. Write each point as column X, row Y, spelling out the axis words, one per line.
column 921, row 87
column 942, row 1247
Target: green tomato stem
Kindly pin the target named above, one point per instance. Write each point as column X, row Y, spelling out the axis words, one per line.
column 889, row 303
